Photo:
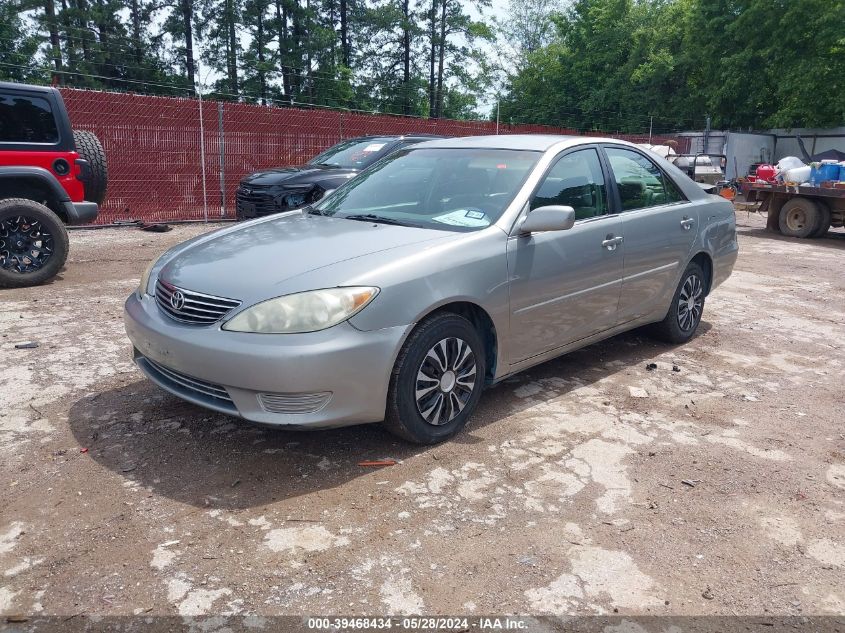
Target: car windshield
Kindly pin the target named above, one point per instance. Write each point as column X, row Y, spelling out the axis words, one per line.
column 353, row 154
column 448, row 189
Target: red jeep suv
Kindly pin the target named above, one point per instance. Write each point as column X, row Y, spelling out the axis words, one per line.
column 49, row 175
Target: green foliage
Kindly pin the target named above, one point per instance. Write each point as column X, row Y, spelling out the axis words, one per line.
column 621, row 64
column 613, row 65
column 357, row 54
column 17, row 45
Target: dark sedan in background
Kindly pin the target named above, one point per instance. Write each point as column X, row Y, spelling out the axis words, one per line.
column 286, row 188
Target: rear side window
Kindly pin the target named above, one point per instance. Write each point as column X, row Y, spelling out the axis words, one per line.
column 577, row 181
column 640, row 182
column 26, row 120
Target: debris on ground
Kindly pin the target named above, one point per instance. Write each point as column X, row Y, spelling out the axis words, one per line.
column 156, row 227
column 378, row 462
column 29, row 345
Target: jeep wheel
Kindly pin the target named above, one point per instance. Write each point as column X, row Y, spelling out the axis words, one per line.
column 33, row 243
column 88, row 147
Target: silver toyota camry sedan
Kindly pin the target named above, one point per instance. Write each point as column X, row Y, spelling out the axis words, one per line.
column 439, row 271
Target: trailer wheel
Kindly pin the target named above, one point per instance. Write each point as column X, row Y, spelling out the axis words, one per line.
column 799, row 217
column 824, row 219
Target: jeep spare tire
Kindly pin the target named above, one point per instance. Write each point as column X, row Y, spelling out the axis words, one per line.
column 88, row 147
column 33, row 243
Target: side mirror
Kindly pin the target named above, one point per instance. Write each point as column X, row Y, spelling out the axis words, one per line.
column 548, row 218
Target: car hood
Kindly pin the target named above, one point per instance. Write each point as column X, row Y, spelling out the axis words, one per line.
column 292, row 176
column 252, row 261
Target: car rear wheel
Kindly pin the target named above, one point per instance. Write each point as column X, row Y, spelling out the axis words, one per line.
column 687, row 307
column 88, row 146
column 437, row 380
column 33, row 243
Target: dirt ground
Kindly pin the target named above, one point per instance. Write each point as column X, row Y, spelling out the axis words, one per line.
column 590, row 484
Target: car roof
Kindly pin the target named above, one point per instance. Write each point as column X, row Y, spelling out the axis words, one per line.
column 395, row 137
column 10, row 85
column 534, row 142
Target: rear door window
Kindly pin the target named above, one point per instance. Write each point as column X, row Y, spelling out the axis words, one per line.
column 26, row 119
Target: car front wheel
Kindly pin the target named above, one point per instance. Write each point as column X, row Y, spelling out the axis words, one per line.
column 437, row 380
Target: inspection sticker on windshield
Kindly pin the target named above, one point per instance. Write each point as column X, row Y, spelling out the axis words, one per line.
column 374, row 147
column 463, row 217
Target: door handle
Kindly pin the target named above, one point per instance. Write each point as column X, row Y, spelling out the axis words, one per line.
column 610, row 243
column 687, row 223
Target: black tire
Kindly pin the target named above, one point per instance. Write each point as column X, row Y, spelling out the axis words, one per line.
column 27, row 227
column 405, row 414
column 88, row 146
column 824, row 219
column 675, row 328
column 799, row 217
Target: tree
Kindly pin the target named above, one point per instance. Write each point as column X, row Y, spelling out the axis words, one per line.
column 221, row 19
column 527, row 27
column 18, row 45
column 180, row 25
column 452, row 35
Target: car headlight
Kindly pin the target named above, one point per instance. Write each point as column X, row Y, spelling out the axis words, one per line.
column 144, row 286
column 303, row 312
column 291, row 199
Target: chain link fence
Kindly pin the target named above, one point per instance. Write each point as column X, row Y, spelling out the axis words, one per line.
column 174, row 159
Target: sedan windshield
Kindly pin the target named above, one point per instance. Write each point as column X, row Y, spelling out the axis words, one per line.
column 449, row 189
column 354, row 154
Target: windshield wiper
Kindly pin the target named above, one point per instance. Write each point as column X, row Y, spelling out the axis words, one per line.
column 329, row 164
column 380, row 219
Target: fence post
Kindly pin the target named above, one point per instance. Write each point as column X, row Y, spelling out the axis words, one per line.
column 202, row 160
column 222, row 147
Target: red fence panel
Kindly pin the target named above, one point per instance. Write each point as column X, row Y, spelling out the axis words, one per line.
column 168, row 163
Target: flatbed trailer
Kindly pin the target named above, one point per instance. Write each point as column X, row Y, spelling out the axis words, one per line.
column 799, row 211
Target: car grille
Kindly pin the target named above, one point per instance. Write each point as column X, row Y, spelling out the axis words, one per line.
column 255, row 201
column 294, row 403
column 194, row 308
column 189, row 387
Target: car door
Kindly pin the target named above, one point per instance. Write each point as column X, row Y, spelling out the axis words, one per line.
column 565, row 285
column 658, row 226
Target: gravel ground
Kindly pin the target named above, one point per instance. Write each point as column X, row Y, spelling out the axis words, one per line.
column 590, row 484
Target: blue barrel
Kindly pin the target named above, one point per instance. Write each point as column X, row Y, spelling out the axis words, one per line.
column 824, row 172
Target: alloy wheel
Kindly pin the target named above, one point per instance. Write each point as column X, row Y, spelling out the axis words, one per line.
column 690, row 302
column 445, row 381
column 25, row 244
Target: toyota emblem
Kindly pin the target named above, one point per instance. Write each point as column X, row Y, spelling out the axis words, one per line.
column 177, row 300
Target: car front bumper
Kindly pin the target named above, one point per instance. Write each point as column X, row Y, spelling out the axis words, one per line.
column 335, row 377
